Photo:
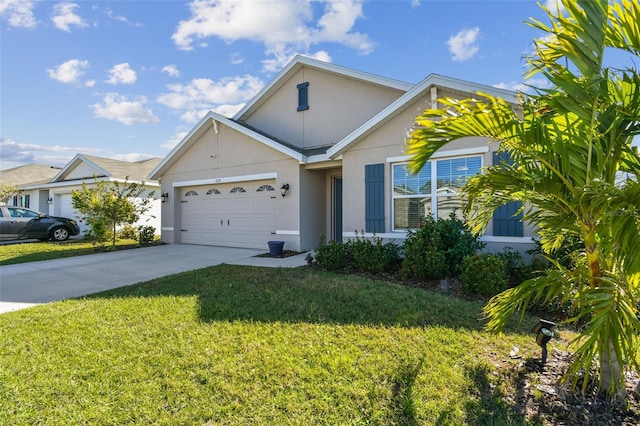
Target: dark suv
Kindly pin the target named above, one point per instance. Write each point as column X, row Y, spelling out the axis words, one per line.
column 19, row 222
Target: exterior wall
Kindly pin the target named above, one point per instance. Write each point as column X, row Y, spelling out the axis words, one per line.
column 387, row 144
column 313, row 207
column 228, row 154
column 82, row 171
column 61, row 206
column 337, row 106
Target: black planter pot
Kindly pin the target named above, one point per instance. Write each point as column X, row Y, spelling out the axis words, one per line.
column 275, row 247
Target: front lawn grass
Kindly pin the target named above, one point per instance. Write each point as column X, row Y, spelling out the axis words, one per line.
column 35, row 251
column 245, row 345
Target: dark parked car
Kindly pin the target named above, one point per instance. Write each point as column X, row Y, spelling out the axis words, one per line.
column 19, row 222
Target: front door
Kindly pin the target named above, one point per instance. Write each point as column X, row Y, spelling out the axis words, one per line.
column 337, row 209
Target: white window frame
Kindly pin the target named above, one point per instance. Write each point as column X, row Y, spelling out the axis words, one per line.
column 469, row 153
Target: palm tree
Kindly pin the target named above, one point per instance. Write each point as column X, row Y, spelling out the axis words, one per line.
column 568, row 143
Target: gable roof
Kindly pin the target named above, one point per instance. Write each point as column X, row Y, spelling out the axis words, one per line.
column 327, row 153
column 402, row 103
column 297, row 63
column 110, row 168
column 211, row 120
column 28, row 174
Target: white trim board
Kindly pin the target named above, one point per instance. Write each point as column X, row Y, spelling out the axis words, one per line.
column 443, row 154
column 228, row 179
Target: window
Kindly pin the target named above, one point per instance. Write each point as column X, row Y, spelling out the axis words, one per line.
column 434, row 190
column 303, row 96
column 411, row 196
column 237, row 189
column 190, row 194
column 213, row 191
column 21, row 200
column 17, row 212
column 265, row 188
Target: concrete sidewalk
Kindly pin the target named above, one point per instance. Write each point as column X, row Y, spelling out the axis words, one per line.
column 28, row 284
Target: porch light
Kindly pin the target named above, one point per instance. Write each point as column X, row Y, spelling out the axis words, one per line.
column 544, row 333
column 164, row 196
column 49, row 200
column 283, row 189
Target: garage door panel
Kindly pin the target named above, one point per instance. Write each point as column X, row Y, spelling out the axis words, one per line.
column 216, row 216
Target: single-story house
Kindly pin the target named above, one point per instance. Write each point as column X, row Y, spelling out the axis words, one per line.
column 48, row 189
column 320, row 151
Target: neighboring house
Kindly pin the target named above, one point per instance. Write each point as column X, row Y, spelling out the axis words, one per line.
column 335, row 138
column 29, row 174
column 48, row 189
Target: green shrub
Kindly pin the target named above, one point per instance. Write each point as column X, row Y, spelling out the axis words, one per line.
column 457, row 242
column 371, row 255
column 484, row 274
column 99, row 233
column 128, row 232
column 146, row 234
column 360, row 254
column 515, row 266
column 436, row 250
column 334, row 256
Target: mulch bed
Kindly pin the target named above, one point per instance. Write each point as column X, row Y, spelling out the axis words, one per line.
column 285, row 253
column 541, row 397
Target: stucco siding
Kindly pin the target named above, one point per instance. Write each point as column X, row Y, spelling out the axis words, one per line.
column 313, row 208
column 386, row 144
column 226, row 154
column 337, row 105
column 83, row 171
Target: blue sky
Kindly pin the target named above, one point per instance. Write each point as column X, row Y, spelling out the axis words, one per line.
column 128, row 79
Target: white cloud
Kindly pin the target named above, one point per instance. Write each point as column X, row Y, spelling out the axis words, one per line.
column 131, row 157
column 524, row 87
column 237, row 59
column 175, row 139
column 120, row 108
column 228, row 110
column 122, row 74
column 205, row 94
column 515, row 86
column 14, row 153
column 555, row 6
column 70, row 72
column 283, row 26
column 194, row 116
column 120, row 18
column 64, row 17
column 281, row 58
column 18, row 13
column 172, row 70
column 464, row 45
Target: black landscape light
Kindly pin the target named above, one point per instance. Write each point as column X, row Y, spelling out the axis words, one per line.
column 544, row 333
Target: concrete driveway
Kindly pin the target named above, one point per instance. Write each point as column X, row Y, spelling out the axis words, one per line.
column 27, row 284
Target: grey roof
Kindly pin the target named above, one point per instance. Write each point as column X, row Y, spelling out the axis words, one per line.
column 28, row 174
column 107, row 167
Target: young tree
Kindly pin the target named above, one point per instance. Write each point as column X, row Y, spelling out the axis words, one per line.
column 110, row 204
column 7, row 191
column 568, row 143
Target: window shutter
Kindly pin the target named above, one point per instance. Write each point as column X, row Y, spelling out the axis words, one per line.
column 303, row 96
column 374, row 197
column 505, row 224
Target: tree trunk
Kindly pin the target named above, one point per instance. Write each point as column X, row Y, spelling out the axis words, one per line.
column 611, row 379
column 612, row 376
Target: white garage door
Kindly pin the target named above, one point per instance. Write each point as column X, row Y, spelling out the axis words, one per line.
column 231, row 214
column 63, row 207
